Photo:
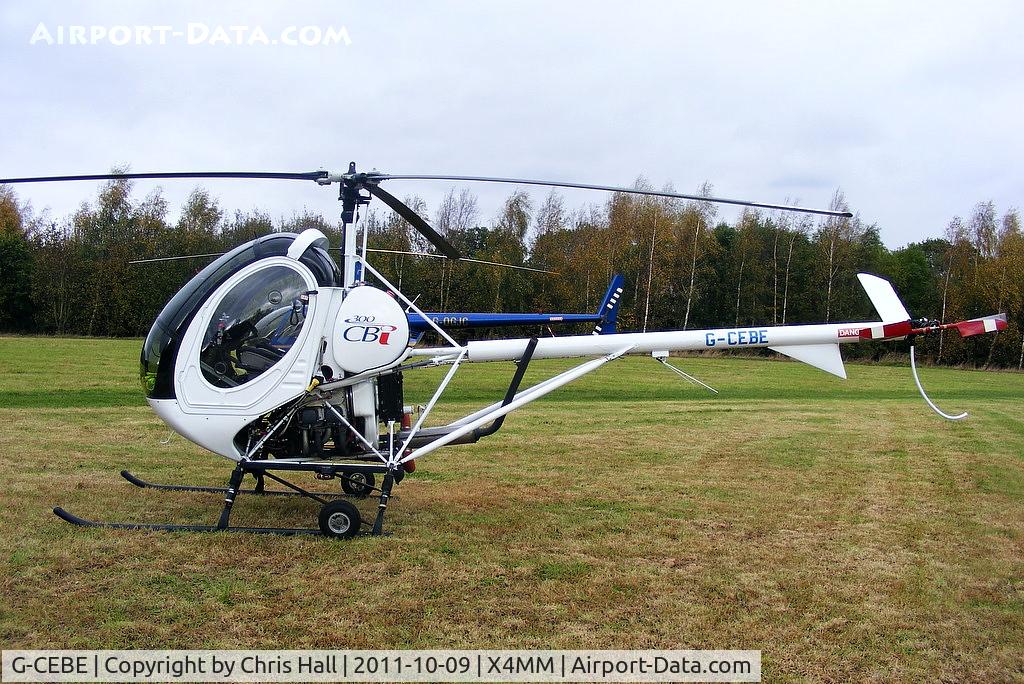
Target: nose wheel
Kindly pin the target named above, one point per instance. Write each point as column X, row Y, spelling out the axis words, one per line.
column 339, row 519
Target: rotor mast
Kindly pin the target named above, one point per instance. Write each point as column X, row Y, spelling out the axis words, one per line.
column 351, row 197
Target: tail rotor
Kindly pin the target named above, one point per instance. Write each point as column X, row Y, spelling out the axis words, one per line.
column 897, row 325
column 975, row 326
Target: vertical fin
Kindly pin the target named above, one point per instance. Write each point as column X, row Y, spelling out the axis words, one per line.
column 884, row 298
column 609, row 308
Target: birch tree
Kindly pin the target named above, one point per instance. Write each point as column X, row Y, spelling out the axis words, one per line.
column 697, row 218
column 834, row 241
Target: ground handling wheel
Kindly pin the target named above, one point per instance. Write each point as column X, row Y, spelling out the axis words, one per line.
column 339, row 519
column 357, row 484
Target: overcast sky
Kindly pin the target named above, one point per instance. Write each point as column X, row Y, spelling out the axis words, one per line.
column 912, row 108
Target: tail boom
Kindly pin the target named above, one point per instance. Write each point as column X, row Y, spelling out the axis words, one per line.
column 647, row 343
column 816, row 345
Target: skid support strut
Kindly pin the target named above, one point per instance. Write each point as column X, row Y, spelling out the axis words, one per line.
column 234, row 484
column 382, row 504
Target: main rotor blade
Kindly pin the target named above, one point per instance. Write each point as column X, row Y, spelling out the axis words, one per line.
column 416, row 220
column 611, row 188
column 284, row 175
column 475, row 261
column 176, row 258
column 520, row 268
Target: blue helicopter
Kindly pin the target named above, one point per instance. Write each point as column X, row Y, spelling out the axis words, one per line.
column 604, row 319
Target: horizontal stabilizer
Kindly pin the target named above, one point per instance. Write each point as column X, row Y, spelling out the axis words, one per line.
column 823, row 356
column 885, row 300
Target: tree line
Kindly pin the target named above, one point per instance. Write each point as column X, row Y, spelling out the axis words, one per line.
column 685, row 268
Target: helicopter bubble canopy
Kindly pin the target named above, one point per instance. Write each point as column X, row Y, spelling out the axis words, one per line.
column 371, row 331
column 165, row 337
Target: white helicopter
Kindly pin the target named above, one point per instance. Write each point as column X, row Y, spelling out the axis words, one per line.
column 280, row 360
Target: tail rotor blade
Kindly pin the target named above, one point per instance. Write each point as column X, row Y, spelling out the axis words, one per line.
column 417, row 222
column 980, row 326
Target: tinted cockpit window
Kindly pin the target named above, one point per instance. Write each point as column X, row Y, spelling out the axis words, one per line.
column 254, row 326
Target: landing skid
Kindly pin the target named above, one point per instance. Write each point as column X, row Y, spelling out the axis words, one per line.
column 145, row 484
column 338, row 517
column 82, row 522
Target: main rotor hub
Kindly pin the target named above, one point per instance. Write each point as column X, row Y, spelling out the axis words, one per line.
column 349, row 193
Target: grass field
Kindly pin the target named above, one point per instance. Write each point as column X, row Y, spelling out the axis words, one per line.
column 838, row 526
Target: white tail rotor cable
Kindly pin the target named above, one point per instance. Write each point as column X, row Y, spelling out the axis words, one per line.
column 917, row 381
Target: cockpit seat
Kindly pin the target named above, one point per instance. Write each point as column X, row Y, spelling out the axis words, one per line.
column 256, row 360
